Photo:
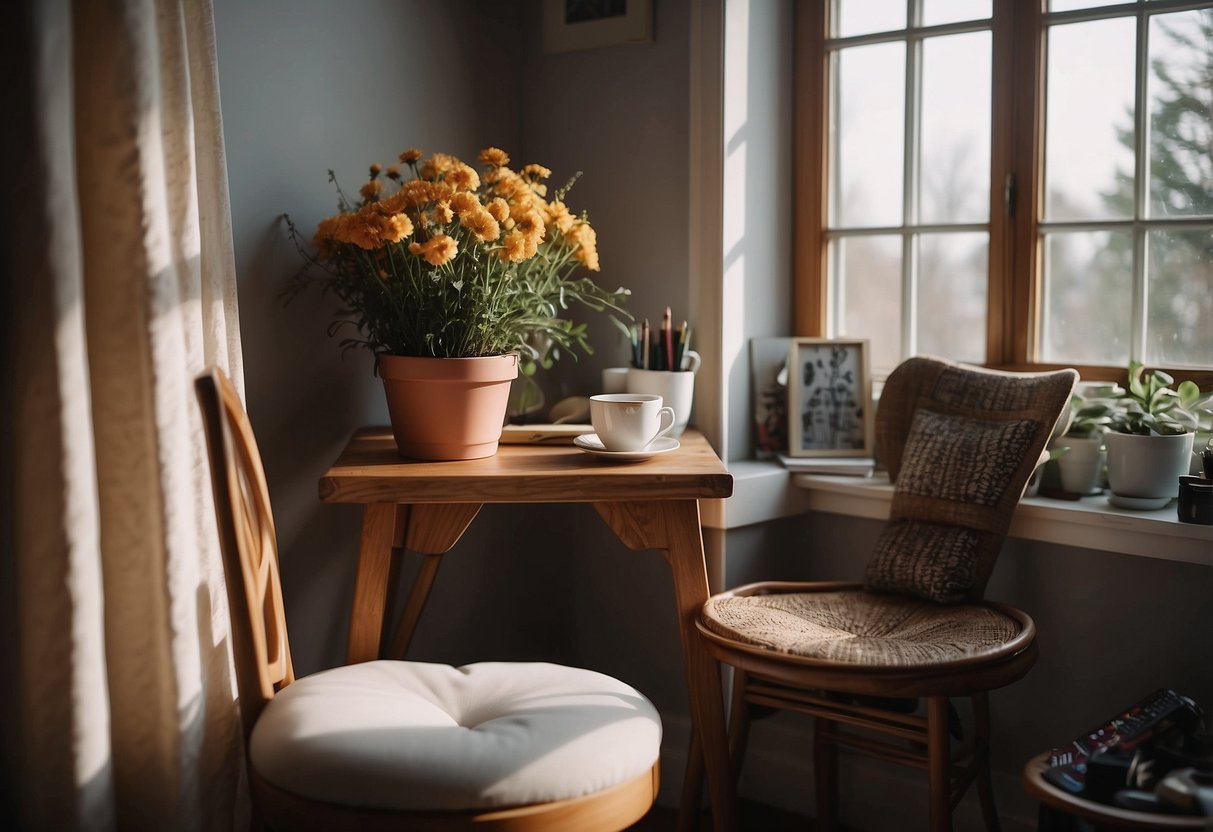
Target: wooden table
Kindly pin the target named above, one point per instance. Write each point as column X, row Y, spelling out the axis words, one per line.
column 425, row 507
column 1103, row 815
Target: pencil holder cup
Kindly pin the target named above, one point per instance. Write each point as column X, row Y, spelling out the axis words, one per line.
column 676, row 388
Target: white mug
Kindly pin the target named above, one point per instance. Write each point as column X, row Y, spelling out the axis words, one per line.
column 675, row 388
column 629, row 421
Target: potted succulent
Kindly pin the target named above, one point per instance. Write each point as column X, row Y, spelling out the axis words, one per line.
column 456, row 281
column 1150, row 437
column 1081, row 466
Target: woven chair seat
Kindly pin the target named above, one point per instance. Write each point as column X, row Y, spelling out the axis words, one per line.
column 859, row 628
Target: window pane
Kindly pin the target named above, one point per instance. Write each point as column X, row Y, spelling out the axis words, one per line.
column 1179, row 324
column 862, row 17
column 1181, row 114
column 955, row 166
column 1087, row 297
column 952, row 295
column 868, row 137
column 867, row 290
column 935, row 12
column 1089, row 120
column 1067, row 5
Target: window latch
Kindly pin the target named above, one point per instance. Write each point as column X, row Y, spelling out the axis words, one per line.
column 1008, row 195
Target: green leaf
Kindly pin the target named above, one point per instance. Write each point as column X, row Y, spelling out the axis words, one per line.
column 1189, row 393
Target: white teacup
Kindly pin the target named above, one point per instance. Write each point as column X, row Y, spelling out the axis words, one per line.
column 629, row 421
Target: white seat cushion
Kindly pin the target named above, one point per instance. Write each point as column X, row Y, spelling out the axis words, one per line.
column 431, row 737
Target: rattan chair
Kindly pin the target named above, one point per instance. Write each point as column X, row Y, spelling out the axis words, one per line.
column 960, row 444
column 410, row 745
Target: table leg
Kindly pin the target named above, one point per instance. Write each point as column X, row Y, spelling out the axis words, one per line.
column 371, row 582
column 673, row 526
column 429, row 529
column 432, row 530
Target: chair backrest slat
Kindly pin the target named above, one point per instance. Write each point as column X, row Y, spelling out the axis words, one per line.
column 250, row 552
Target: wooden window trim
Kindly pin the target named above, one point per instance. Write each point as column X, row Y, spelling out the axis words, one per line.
column 1017, row 151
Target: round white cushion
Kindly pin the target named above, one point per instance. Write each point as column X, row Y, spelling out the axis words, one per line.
column 431, row 737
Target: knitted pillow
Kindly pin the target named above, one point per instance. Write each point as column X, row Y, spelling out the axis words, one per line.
column 945, row 521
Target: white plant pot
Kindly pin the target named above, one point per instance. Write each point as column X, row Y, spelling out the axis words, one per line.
column 1147, row 467
column 1082, row 465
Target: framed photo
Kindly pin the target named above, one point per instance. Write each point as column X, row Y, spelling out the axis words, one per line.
column 769, row 395
column 588, row 24
column 829, row 398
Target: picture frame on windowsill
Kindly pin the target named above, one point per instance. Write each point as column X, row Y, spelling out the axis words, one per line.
column 569, row 25
column 830, row 398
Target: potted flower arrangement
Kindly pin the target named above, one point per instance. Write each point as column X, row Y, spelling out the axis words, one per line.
column 455, row 281
column 1150, row 437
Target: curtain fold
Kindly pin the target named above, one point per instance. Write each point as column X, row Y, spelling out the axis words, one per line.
column 122, row 290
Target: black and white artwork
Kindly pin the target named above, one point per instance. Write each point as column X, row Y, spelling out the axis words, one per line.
column 829, row 398
column 593, row 24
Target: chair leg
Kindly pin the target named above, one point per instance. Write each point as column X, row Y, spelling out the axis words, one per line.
column 739, row 722
column 939, row 764
column 825, row 772
column 692, row 786
column 981, row 759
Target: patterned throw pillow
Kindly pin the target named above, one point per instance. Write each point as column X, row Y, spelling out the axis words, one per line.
column 955, row 471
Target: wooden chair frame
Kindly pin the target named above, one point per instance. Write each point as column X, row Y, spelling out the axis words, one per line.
column 263, row 660
column 841, row 695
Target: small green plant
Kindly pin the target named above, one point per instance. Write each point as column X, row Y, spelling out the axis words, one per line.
column 1089, row 418
column 1152, row 405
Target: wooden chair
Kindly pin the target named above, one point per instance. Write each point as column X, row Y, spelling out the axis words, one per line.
column 960, row 444
column 410, row 745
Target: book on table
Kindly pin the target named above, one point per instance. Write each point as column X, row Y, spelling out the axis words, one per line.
column 856, row 466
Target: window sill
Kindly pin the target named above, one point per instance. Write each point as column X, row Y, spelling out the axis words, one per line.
column 765, row 491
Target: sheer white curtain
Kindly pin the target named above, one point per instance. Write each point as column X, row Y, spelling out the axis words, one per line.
column 119, row 710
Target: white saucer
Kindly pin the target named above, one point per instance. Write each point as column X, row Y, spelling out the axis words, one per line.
column 591, row 444
column 1139, row 503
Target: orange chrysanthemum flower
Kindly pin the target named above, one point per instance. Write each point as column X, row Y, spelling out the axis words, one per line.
column 397, row 227
column 482, row 225
column 494, row 157
column 410, row 156
column 586, row 240
column 499, row 209
column 371, row 189
column 558, row 216
column 437, row 250
column 514, row 247
column 375, row 168
column 443, row 213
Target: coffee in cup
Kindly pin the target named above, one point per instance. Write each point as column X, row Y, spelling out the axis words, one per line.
column 629, row 421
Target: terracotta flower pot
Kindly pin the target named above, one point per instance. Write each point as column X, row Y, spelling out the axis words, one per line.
column 447, row 408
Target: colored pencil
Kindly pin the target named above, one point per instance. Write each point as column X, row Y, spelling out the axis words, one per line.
column 667, row 336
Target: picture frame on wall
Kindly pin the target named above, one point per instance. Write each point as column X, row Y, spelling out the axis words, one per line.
column 830, row 398
column 569, row 25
